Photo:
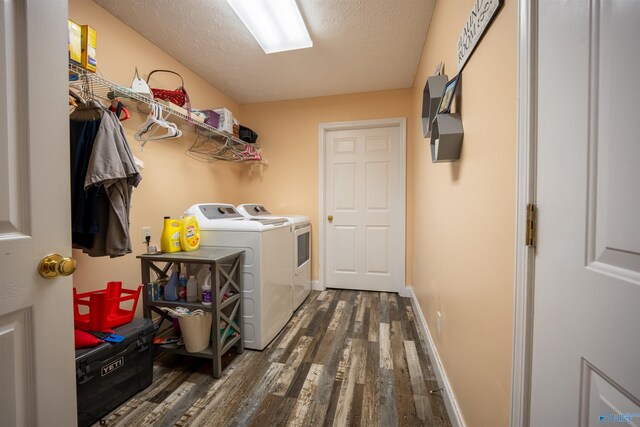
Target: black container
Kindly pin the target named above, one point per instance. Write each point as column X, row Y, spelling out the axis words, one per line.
column 109, row 374
column 247, row 135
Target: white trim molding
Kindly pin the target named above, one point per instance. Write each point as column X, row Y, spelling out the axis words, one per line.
column 323, row 129
column 406, row 291
column 453, row 410
column 526, row 193
column 316, row 285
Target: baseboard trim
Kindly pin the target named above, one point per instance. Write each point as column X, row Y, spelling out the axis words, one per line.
column 317, row 286
column 450, row 401
column 405, row 292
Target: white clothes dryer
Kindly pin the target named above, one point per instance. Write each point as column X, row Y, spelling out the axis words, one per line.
column 301, row 248
column 267, row 274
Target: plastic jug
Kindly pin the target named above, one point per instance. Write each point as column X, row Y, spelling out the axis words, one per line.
column 171, row 288
column 190, row 233
column 192, row 289
column 170, row 239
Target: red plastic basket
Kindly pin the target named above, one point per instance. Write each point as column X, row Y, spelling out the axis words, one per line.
column 104, row 307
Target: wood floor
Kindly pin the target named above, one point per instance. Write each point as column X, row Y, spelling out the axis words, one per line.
column 346, row 358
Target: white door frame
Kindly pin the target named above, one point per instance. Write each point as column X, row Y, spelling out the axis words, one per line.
column 323, row 129
column 526, row 171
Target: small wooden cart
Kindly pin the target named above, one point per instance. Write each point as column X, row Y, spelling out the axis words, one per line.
column 226, row 275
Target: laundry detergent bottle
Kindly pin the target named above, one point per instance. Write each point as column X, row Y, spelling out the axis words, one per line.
column 171, row 288
column 190, row 233
column 170, row 239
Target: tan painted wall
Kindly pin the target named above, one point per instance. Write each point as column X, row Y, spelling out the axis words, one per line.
column 288, row 133
column 171, row 180
column 463, row 215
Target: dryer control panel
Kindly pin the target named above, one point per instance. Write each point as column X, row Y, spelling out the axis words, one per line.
column 218, row 211
column 254, row 210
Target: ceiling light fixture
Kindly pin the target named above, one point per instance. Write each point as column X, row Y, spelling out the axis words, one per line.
column 276, row 24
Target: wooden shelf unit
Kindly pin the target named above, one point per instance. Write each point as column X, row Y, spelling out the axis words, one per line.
column 226, row 274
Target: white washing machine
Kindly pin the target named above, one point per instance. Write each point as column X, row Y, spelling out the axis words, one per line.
column 301, row 248
column 267, row 276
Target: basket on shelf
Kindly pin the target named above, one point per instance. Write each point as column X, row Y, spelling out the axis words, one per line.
column 104, row 307
column 196, row 331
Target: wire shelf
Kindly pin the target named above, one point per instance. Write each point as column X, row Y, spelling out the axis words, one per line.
column 211, row 143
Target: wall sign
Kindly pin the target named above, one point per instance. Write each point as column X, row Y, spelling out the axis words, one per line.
column 482, row 14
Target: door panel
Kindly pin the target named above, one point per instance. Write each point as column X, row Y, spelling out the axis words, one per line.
column 345, row 146
column 16, row 354
column 377, row 183
column 377, row 247
column 13, row 128
column 37, row 381
column 604, row 401
column 345, row 258
column 614, row 233
column 587, row 286
column 345, row 178
column 361, row 193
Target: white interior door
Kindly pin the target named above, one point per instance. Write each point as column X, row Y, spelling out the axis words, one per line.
column 586, row 337
column 362, row 206
column 37, row 375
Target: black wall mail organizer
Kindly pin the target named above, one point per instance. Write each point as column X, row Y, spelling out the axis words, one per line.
column 446, row 127
column 431, row 95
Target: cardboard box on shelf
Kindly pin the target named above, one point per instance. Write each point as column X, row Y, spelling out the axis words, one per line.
column 89, row 41
column 75, row 43
column 226, row 120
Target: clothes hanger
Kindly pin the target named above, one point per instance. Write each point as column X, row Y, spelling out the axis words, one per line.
column 247, row 154
column 162, row 120
column 238, row 154
column 118, row 107
column 250, row 154
column 153, row 122
column 88, row 109
column 74, row 98
column 148, row 123
column 171, row 133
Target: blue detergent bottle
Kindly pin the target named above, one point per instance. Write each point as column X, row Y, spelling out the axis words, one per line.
column 171, row 288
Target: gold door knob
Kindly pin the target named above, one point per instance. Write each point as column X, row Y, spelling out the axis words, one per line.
column 55, row 264
column 330, row 218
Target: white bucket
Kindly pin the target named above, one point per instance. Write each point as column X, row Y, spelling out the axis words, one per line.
column 196, row 332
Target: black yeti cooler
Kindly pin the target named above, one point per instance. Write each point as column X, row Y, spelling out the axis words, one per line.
column 109, row 374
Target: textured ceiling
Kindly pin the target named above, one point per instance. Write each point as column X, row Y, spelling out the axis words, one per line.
column 358, row 45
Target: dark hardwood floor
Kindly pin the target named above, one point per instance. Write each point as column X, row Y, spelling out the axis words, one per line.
column 346, row 358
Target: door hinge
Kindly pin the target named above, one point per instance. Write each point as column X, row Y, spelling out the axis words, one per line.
column 531, row 225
